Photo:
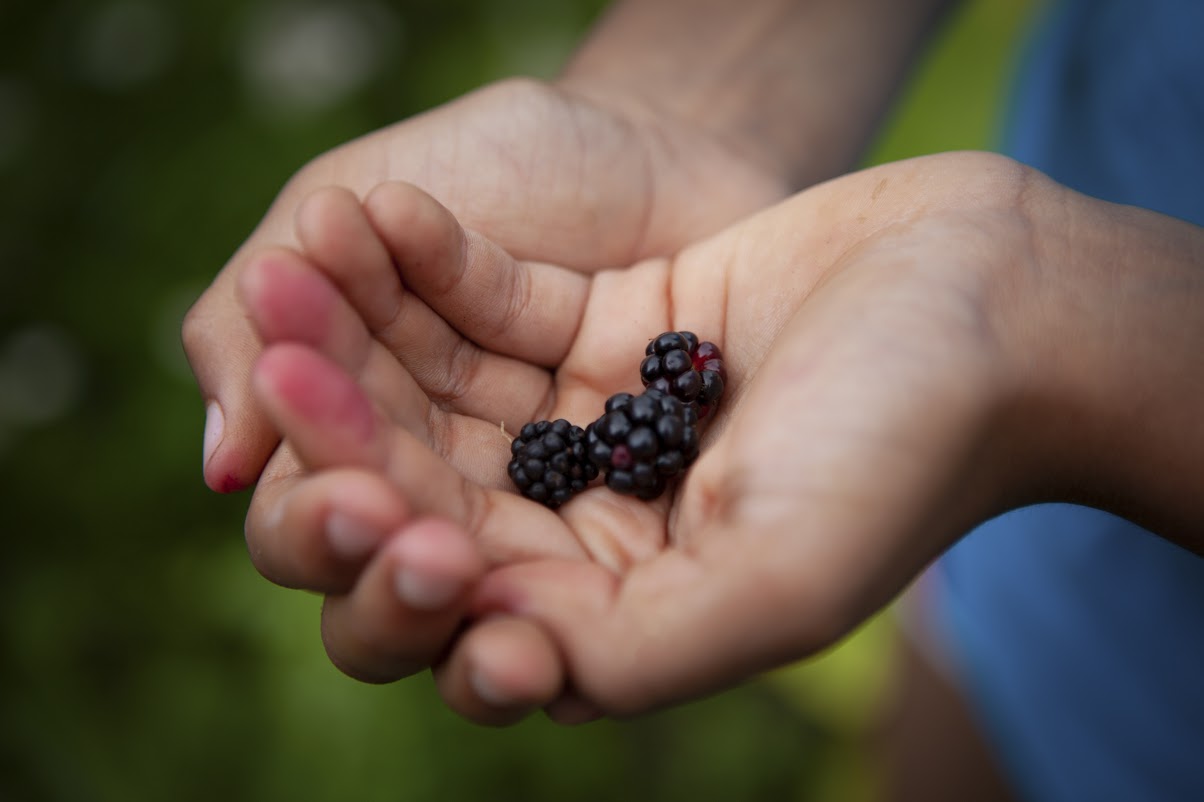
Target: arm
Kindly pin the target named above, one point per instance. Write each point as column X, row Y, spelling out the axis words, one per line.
column 796, row 87
column 1112, row 335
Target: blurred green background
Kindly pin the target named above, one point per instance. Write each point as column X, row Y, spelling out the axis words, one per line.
column 143, row 658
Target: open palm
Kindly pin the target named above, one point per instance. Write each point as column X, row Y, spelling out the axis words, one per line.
column 863, row 368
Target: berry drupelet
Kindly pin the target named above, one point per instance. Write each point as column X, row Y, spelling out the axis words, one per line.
column 643, row 441
column 548, row 462
column 677, row 364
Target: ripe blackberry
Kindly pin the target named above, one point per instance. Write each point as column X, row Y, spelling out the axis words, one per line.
column 678, row 364
column 548, row 462
column 643, row 441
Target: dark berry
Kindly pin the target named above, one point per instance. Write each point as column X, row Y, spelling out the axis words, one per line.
column 617, row 400
column 678, row 364
column 549, row 462
column 642, row 409
column 614, row 426
column 620, row 481
column 669, row 430
column 659, row 441
column 686, row 386
column 712, row 387
column 661, row 385
column 705, row 351
column 650, row 369
column 641, row 442
column 670, row 463
column 621, row 457
column 669, row 341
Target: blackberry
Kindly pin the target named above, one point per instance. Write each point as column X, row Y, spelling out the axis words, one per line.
column 677, row 364
column 548, row 462
column 643, row 441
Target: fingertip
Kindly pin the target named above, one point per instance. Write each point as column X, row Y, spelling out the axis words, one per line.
column 437, row 562
column 238, row 439
column 407, row 606
column 317, row 531
column 226, row 483
column 287, row 299
column 418, row 230
column 312, row 400
column 349, row 537
column 316, row 212
column 503, row 670
column 234, row 451
column 398, row 200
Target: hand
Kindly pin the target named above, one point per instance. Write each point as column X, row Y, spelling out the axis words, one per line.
column 608, row 185
column 864, row 429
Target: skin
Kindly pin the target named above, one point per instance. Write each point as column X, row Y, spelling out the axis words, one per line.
column 611, row 159
column 746, row 103
column 610, row 186
column 740, row 107
column 937, row 282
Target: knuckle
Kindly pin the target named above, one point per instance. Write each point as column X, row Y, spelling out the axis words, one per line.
column 194, row 329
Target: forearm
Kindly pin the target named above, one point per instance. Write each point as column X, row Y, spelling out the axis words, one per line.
column 1115, row 330
column 796, row 86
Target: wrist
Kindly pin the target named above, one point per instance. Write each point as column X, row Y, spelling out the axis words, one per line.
column 794, row 88
column 1107, row 322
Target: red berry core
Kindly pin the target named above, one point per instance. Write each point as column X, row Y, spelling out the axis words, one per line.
column 621, row 458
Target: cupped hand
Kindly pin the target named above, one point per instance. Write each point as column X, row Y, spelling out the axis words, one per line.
column 864, row 428
column 543, row 171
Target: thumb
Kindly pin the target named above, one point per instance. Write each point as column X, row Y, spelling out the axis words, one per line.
column 222, row 347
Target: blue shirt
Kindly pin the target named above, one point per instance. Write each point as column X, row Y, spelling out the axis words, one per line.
column 1081, row 636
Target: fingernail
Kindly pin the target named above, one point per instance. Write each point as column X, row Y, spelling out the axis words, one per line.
column 426, row 592
column 215, row 426
column 488, row 691
column 349, row 538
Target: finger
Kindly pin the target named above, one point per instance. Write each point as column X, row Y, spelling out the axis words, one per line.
column 674, row 629
column 221, row 347
column 407, row 605
column 289, row 300
column 500, row 671
column 317, row 531
column 327, row 417
column 330, row 422
column 337, row 236
column 342, row 242
column 526, row 310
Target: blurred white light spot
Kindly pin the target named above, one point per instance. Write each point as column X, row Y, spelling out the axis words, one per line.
column 305, row 57
column 126, row 44
column 17, row 120
column 41, row 376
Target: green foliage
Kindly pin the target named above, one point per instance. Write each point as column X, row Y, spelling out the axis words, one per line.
column 143, row 658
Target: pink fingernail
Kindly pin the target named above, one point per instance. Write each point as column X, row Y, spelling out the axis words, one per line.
column 349, row 538
column 215, row 427
column 426, row 592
